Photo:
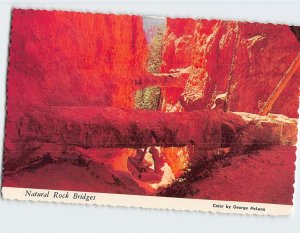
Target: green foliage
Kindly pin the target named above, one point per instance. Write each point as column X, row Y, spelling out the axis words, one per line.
column 148, row 98
column 155, row 54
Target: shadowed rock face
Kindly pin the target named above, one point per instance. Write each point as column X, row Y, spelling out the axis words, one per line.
column 120, row 128
column 51, row 166
column 245, row 59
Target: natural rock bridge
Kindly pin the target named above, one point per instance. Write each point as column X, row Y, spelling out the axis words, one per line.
column 90, row 127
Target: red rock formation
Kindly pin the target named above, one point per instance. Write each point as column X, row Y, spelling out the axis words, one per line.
column 123, row 128
column 178, row 38
column 69, row 58
column 248, row 59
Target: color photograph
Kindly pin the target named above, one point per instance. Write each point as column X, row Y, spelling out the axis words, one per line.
column 151, row 106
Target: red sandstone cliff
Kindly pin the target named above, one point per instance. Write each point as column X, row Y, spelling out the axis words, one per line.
column 246, row 59
column 78, row 59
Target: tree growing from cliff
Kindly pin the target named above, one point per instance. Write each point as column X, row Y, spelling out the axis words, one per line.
column 155, row 51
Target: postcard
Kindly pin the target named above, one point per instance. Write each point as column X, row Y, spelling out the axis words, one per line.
column 153, row 112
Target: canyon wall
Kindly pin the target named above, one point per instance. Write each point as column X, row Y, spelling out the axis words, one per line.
column 75, row 59
column 247, row 60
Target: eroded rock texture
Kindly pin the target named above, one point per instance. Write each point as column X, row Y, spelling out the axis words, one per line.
column 117, row 128
column 247, row 60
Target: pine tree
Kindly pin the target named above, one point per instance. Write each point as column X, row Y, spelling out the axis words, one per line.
column 155, row 54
